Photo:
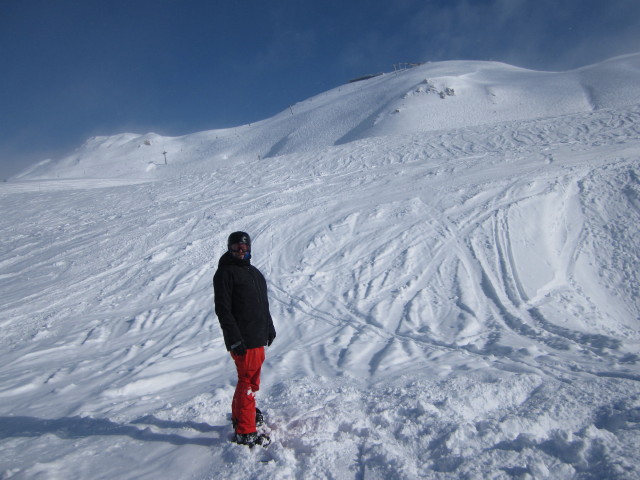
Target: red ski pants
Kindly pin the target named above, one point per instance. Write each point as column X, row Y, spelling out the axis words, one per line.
column 243, row 408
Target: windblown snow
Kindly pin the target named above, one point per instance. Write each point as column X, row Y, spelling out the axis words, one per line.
column 453, row 262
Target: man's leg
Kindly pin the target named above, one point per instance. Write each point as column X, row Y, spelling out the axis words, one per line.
column 243, row 408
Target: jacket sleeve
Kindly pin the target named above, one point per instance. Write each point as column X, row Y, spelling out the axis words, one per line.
column 272, row 329
column 222, row 297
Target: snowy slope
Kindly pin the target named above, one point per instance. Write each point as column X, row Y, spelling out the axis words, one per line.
column 427, row 98
column 454, row 282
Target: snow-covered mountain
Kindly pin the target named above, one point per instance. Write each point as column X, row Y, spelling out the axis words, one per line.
column 452, row 255
column 427, row 98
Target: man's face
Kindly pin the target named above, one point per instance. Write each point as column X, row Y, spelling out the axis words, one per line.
column 239, row 250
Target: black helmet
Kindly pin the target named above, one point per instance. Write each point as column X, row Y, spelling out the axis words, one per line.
column 239, row 237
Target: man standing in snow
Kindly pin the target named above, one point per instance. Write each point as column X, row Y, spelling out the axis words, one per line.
column 242, row 307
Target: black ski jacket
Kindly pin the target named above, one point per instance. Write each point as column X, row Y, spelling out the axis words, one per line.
column 241, row 303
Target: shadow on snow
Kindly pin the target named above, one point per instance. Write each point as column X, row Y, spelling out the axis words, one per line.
column 80, row 427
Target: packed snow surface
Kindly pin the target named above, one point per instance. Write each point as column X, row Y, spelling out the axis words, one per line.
column 454, row 269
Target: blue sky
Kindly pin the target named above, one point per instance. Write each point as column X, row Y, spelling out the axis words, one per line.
column 72, row 69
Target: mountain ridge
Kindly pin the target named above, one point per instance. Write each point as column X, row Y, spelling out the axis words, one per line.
column 425, row 98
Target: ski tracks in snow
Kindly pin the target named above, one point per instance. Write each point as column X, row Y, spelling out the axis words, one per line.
column 432, row 294
column 459, row 270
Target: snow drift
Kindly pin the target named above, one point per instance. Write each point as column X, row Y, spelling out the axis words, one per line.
column 452, row 258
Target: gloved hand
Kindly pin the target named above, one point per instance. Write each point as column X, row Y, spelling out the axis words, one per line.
column 239, row 348
column 272, row 336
